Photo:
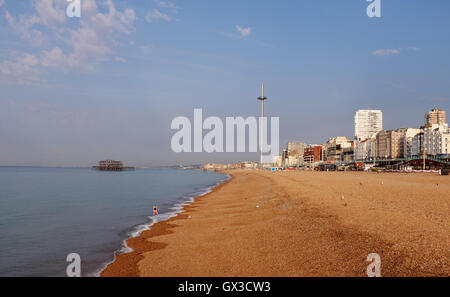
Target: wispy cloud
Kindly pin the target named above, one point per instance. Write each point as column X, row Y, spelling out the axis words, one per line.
column 22, row 70
column 393, row 51
column 23, row 26
column 385, row 52
column 167, row 4
column 2, row 2
column 49, row 12
column 92, row 41
column 146, row 49
column 413, row 48
column 155, row 14
column 120, row 59
column 165, row 11
column 244, row 31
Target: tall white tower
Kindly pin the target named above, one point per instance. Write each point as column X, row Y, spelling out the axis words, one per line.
column 261, row 124
column 367, row 123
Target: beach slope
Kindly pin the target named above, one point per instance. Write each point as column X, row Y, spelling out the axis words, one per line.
column 301, row 224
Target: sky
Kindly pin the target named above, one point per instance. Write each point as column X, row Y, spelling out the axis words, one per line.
column 108, row 84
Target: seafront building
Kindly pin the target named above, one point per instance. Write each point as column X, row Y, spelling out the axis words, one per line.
column 233, row 166
column 366, row 149
column 387, row 145
column 410, row 133
column 436, row 133
column 339, row 149
column 435, row 117
column 296, row 148
column 368, row 123
column 417, row 144
column 278, row 161
column 390, row 144
column 293, row 157
column 295, row 161
column 313, row 154
column 373, row 143
column 284, row 157
column 437, row 139
column 361, row 149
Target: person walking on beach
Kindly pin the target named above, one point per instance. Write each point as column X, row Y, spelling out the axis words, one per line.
column 155, row 210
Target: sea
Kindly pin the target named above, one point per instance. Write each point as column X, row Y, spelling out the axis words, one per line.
column 48, row 213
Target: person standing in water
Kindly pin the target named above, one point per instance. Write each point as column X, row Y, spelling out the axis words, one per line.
column 155, row 210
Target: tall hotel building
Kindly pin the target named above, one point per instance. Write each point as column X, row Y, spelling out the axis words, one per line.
column 368, row 123
column 436, row 117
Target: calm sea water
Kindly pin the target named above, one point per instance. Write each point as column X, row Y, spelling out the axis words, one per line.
column 48, row 213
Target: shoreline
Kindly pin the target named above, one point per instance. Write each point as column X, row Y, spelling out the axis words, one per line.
column 125, row 264
column 272, row 224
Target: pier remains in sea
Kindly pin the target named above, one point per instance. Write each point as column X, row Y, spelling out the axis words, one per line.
column 111, row 165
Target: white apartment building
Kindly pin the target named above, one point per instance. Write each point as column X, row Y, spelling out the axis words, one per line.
column 278, row 161
column 294, row 161
column 408, row 141
column 296, row 148
column 437, row 139
column 367, row 123
column 417, row 145
column 365, row 149
column 335, row 147
column 361, row 149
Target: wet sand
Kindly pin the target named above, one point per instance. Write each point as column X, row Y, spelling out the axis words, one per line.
column 302, row 224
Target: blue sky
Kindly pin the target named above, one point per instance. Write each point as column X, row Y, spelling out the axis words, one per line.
column 107, row 85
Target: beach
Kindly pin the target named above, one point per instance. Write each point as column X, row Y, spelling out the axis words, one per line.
column 299, row 223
